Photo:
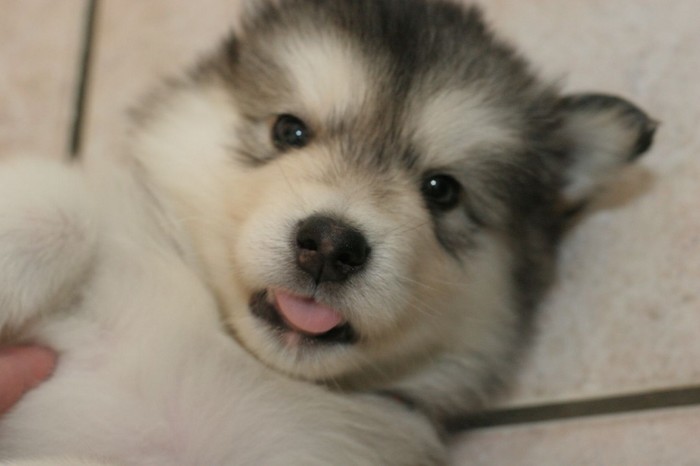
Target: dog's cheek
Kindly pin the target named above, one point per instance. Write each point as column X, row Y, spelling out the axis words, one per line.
column 437, row 274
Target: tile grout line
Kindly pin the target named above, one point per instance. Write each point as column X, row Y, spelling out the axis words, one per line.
column 620, row 404
column 83, row 80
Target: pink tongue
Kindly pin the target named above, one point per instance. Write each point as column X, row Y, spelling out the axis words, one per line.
column 306, row 315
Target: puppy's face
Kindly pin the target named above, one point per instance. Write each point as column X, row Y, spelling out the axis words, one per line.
column 368, row 184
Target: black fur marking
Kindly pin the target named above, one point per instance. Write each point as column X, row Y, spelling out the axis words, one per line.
column 645, row 141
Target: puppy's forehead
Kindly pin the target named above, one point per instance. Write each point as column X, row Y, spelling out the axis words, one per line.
column 327, row 73
column 451, row 125
column 331, row 77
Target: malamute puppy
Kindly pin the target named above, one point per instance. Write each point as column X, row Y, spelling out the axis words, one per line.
column 325, row 239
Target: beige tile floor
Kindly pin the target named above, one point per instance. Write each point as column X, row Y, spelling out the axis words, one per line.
column 625, row 314
column 40, row 42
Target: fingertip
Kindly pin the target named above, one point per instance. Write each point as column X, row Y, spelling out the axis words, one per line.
column 30, row 364
column 41, row 363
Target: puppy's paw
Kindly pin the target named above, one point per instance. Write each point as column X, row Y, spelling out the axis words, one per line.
column 47, row 241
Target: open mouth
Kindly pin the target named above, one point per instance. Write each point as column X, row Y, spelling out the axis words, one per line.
column 305, row 317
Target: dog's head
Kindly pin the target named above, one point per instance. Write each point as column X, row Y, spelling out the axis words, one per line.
column 371, row 182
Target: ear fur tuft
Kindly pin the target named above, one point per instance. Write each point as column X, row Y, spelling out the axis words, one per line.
column 604, row 133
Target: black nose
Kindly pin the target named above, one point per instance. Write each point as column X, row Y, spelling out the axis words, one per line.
column 329, row 250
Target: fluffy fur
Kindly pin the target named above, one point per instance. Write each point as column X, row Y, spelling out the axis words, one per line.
column 154, row 275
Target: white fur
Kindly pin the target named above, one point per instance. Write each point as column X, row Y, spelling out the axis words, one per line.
column 148, row 376
column 329, row 78
column 457, row 122
column 47, row 242
column 154, row 259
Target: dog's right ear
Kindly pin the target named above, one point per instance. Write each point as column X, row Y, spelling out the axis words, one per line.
column 603, row 134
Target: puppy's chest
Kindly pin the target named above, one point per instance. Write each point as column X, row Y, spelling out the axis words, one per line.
column 136, row 406
column 145, row 368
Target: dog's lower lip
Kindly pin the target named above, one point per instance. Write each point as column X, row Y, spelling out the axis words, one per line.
column 262, row 305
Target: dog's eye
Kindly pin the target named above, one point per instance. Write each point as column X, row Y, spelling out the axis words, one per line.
column 441, row 191
column 289, row 132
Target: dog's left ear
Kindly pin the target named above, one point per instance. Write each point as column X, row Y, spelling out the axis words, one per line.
column 603, row 133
